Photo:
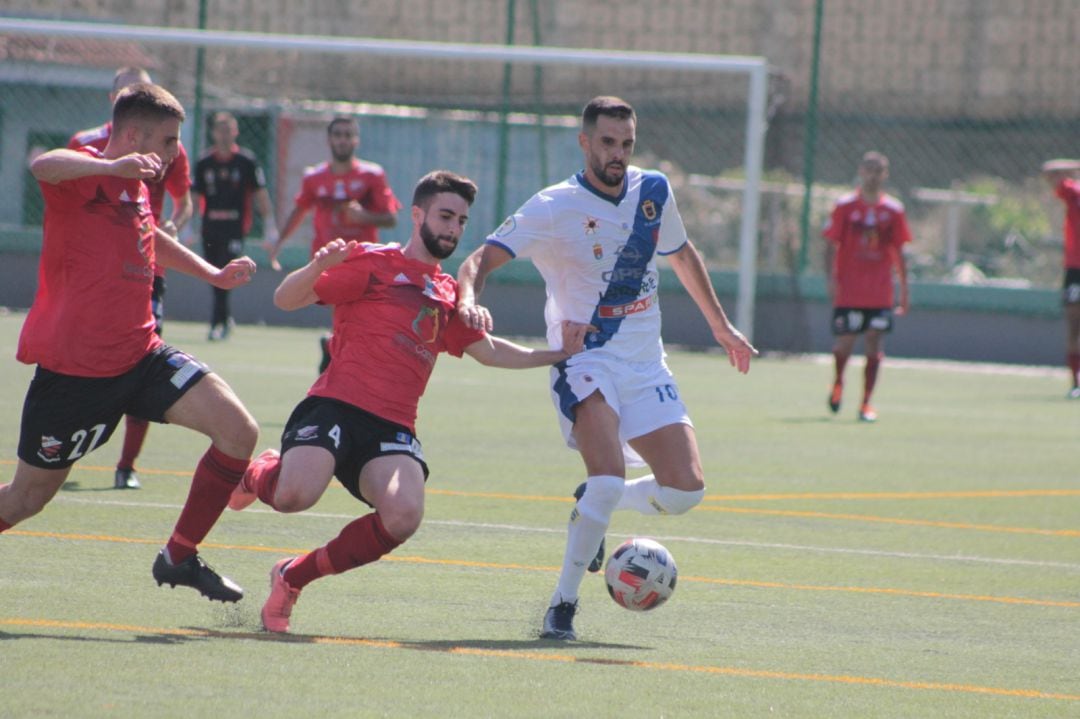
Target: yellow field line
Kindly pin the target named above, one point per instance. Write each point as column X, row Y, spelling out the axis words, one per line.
column 539, row 656
column 539, row 568
column 895, row 520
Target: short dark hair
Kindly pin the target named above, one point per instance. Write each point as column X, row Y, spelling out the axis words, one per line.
column 144, row 102
column 220, row 115
column 608, row 106
column 437, row 182
column 342, row 119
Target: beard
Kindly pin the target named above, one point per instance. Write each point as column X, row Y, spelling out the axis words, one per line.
column 431, row 242
column 341, row 156
column 604, row 174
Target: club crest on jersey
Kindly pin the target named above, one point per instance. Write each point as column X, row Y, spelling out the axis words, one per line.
column 508, row 226
column 648, row 209
column 426, row 324
column 597, row 251
column 50, row 449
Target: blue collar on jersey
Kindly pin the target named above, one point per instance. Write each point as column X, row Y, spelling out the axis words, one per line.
column 602, row 195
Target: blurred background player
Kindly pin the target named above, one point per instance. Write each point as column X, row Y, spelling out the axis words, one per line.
column 394, row 312
column 228, row 181
column 594, row 238
column 866, row 234
column 351, row 197
column 174, row 180
column 1062, row 174
column 90, row 331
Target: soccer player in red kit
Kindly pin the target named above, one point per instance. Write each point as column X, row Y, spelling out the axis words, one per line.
column 90, row 331
column 351, row 197
column 866, row 234
column 175, row 181
column 1062, row 176
column 394, row 312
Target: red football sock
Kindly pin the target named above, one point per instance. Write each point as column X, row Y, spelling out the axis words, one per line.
column 873, row 363
column 362, row 541
column 264, row 480
column 215, row 478
column 1073, row 360
column 840, row 359
column 134, row 435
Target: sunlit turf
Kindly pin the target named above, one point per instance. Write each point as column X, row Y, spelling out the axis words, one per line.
column 926, row 565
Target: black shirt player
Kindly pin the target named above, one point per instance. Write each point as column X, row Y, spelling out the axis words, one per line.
column 227, row 182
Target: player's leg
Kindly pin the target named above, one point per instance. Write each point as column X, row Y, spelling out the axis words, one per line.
column 677, row 482
column 28, row 492
column 210, row 407
column 875, row 354
column 394, row 486
column 843, row 346
column 596, row 433
column 1072, row 346
column 215, row 251
column 136, row 428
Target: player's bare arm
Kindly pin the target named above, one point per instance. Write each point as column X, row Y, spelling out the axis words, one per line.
column 183, row 209
column 900, row 264
column 497, row 352
column 298, row 288
column 59, row 165
column 692, row 273
column 171, row 254
column 471, row 276
column 273, row 248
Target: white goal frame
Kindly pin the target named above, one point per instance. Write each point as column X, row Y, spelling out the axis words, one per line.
column 754, row 68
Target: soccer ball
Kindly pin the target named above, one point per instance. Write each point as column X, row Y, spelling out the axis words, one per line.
column 640, row 574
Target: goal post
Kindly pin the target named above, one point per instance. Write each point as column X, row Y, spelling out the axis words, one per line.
column 755, row 70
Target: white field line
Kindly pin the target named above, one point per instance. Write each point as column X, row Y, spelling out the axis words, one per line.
column 516, row 529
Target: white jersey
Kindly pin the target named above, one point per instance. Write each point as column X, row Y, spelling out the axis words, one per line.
column 596, row 254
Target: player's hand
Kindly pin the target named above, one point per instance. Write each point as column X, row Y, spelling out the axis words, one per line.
column 738, row 348
column 354, row 213
column 238, row 272
column 272, row 251
column 333, row 253
column 573, row 336
column 138, row 166
column 169, row 228
column 475, row 317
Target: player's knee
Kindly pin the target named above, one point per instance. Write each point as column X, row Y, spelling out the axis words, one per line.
column 402, row 518
column 678, row 501
column 293, row 497
column 602, row 495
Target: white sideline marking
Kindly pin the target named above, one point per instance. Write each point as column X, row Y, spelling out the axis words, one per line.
column 672, row 538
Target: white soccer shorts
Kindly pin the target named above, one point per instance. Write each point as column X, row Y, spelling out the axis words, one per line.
column 643, row 394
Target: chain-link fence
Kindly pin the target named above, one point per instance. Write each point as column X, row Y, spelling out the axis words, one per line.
column 966, row 97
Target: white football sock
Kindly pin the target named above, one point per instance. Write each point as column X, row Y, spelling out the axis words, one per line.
column 588, row 522
column 644, row 495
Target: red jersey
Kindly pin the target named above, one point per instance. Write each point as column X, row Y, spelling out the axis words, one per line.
column 392, row 317
column 175, row 181
column 865, row 237
column 91, row 313
column 328, row 193
column 1069, row 192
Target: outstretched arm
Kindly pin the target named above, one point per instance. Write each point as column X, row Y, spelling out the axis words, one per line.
column 291, row 223
column 691, row 271
column 169, row 253
column 298, row 288
column 471, row 277
column 58, row 165
column 497, row 352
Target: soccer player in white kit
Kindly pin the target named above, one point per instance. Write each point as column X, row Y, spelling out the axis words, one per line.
column 594, row 238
